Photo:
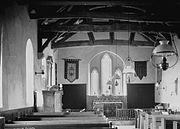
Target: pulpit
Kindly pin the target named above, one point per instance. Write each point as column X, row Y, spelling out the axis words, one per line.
column 52, row 101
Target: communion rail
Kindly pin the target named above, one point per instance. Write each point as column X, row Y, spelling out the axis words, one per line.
column 126, row 114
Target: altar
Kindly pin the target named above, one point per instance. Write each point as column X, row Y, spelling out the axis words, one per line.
column 107, row 105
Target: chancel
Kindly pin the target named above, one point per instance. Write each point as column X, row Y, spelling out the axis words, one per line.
column 104, row 64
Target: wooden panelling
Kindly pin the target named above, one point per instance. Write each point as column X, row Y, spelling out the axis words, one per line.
column 15, row 114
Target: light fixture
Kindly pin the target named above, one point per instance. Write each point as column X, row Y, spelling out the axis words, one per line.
column 164, row 55
column 116, row 76
column 40, row 72
column 129, row 68
column 109, row 82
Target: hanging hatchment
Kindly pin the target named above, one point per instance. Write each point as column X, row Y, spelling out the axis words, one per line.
column 141, row 69
column 71, row 69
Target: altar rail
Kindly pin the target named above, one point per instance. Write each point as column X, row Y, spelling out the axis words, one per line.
column 15, row 114
column 126, row 114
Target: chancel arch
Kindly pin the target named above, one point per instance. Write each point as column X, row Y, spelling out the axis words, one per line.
column 29, row 74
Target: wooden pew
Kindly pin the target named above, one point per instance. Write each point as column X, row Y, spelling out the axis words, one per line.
column 57, row 126
column 2, row 122
column 72, row 121
column 164, row 118
column 15, row 114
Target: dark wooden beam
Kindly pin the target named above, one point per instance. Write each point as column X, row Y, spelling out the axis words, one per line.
column 86, row 2
column 149, row 37
column 65, row 37
column 83, row 12
column 111, row 36
column 50, row 36
column 91, row 37
column 131, row 27
column 131, row 38
column 100, row 42
column 97, row 2
column 41, row 46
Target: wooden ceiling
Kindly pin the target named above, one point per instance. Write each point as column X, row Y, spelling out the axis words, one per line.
column 58, row 20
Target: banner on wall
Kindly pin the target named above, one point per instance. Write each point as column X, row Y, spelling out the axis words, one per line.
column 141, row 69
column 71, row 69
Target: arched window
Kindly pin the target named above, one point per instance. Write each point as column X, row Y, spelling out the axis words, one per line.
column 118, row 86
column 29, row 74
column 49, row 67
column 106, row 73
column 94, row 82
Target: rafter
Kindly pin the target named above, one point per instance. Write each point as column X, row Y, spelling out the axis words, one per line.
column 65, row 37
column 148, row 37
column 133, row 27
column 41, row 46
column 111, row 36
column 91, row 37
column 83, row 12
column 99, row 42
column 92, row 2
column 131, row 38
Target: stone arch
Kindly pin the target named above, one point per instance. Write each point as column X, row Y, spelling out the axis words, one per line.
column 89, row 67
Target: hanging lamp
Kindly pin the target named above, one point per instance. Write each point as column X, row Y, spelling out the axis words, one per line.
column 129, row 68
column 164, row 55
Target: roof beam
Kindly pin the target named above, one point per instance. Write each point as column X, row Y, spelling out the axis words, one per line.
column 100, row 42
column 43, row 12
column 91, row 37
column 131, row 38
column 149, row 38
column 88, row 2
column 65, row 37
column 145, row 18
column 111, row 36
column 131, row 27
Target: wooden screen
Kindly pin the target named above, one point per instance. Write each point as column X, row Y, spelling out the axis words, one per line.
column 74, row 96
column 140, row 96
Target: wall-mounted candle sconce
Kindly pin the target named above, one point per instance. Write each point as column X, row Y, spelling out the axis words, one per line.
column 40, row 72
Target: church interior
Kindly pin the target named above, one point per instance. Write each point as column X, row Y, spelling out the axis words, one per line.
column 90, row 64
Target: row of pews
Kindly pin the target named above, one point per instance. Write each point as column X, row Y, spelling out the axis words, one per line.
column 157, row 120
column 66, row 120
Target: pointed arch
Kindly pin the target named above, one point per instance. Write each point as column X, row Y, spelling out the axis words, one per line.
column 29, row 73
column 89, row 67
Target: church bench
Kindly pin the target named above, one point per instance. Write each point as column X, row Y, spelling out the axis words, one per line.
column 15, row 114
column 32, row 118
column 57, row 126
